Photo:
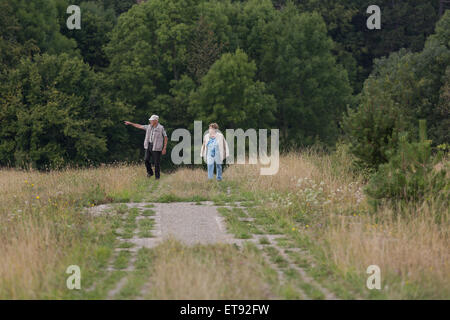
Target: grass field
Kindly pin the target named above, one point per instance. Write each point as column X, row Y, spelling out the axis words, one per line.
column 315, row 204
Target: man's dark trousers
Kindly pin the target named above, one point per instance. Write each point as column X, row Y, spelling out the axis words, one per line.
column 156, row 157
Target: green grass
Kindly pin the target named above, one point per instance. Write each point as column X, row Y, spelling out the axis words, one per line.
column 137, row 279
column 122, row 259
column 240, row 229
column 148, row 213
column 129, row 225
column 126, row 234
column 120, row 208
column 248, row 203
column 310, row 290
column 239, row 212
column 275, row 257
column 122, row 196
column 102, row 286
column 134, row 212
column 297, row 258
column 167, row 198
column 93, row 261
column 285, row 242
column 125, row 245
column 265, row 221
column 290, row 292
column 145, row 228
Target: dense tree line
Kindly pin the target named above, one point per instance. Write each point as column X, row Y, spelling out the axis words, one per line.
column 403, row 88
column 294, row 65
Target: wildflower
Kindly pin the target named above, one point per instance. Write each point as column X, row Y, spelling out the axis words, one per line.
column 37, row 197
column 293, row 229
column 307, row 226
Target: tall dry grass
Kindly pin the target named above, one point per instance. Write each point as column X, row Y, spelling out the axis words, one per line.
column 206, row 272
column 409, row 244
column 412, row 252
column 41, row 223
column 410, row 248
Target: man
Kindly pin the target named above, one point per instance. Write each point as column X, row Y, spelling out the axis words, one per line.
column 155, row 143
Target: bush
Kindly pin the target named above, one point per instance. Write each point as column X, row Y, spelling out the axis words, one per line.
column 411, row 175
column 54, row 111
column 373, row 128
column 402, row 89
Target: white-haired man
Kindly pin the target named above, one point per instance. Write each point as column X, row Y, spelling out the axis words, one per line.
column 155, row 144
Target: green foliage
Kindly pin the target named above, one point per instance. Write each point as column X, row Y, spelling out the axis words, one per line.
column 119, row 6
column 402, row 89
column 373, row 128
column 10, row 49
column 442, row 31
column 57, row 111
column 38, row 20
column 443, row 110
column 240, row 63
column 410, row 175
column 204, row 50
column 311, row 90
column 163, row 64
column 97, row 22
column 148, row 50
column 230, row 95
column 405, row 24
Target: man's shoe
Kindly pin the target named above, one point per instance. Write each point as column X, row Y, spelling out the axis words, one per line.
column 149, row 175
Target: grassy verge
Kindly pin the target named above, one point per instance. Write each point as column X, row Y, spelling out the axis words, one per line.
column 43, row 228
column 208, row 272
column 315, row 204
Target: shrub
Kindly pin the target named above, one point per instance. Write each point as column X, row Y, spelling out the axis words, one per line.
column 373, row 128
column 411, row 175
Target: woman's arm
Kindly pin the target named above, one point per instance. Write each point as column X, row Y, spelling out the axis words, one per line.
column 225, row 147
column 205, row 140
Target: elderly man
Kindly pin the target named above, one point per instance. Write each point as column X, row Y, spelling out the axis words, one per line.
column 155, row 143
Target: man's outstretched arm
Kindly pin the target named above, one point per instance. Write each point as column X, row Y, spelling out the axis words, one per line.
column 139, row 126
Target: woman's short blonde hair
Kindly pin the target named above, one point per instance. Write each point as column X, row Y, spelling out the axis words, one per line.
column 214, row 126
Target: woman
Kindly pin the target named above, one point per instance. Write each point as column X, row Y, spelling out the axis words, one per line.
column 214, row 151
